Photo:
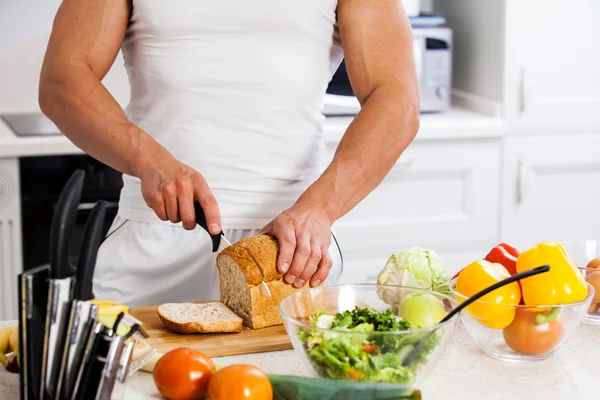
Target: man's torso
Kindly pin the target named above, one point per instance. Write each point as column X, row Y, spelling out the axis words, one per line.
column 233, row 89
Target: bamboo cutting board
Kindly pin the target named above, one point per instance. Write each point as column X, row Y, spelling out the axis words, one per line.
column 247, row 341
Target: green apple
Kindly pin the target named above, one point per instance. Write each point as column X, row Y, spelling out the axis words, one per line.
column 422, row 309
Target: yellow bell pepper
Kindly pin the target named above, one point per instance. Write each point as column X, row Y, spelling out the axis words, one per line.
column 496, row 309
column 563, row 284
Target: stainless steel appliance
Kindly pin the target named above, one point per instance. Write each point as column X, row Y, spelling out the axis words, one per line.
column 432, row 50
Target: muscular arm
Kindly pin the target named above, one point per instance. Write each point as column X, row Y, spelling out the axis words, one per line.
column 377, row 42
column 84, row 43
column 85, row 40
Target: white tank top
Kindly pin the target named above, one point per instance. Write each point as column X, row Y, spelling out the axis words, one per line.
column 234, row 89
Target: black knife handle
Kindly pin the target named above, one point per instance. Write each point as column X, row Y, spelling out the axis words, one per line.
column 201, row 220
column 62, row 225
column 92, row 238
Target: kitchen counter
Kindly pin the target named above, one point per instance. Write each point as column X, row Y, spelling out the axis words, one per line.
column 455, row 124
column 463, row 373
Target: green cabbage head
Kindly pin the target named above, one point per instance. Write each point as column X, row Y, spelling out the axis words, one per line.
column 414, row 267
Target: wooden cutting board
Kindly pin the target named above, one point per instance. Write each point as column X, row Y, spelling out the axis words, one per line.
column 212, row 344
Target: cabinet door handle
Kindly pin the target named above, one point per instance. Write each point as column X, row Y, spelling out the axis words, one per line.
column 522, row 182
column 524, row 92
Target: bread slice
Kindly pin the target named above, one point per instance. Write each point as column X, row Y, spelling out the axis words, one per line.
column 240, row 281
column 210, row 317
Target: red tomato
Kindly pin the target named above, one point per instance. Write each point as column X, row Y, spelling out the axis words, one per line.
column 240, row 382
column 524, row 335
column 183, row 374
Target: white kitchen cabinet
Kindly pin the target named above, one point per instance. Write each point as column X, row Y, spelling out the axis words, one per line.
column 552, row 61
column 551, row 188
column 537, row 58
column 441, row 195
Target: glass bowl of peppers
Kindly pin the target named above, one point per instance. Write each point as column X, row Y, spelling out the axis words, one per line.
column 528, row 320
column 586, row 255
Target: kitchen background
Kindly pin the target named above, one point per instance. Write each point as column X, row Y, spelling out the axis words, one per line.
column 509, row 151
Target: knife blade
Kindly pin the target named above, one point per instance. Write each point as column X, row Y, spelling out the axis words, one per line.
column 83, row 317
column 263, row 286
column 60, row 296
column 223, row 243
column 33, row 293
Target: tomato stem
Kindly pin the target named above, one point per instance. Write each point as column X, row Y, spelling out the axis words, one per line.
column 542, row 319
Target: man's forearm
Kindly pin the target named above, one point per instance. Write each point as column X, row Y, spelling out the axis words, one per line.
column 84, row 111
column 382, row 130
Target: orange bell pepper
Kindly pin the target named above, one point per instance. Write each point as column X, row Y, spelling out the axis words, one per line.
column 496, row 309
column 563, row 284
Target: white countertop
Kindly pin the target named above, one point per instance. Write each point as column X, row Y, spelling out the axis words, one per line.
column 463, row 373
column 458, row 123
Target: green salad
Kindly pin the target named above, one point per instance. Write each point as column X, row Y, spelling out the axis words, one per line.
column 355, row 351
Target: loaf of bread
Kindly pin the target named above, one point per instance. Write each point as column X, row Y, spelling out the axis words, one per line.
column 240, row 281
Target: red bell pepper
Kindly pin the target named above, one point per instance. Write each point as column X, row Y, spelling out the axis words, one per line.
column 506, row 255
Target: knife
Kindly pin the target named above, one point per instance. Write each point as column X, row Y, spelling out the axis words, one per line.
column 81, row 323
column 61, row 285
column 220, row 242
column 68, row 320
column 33, row 295
column 83, row 313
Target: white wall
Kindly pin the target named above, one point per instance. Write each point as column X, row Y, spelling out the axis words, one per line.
column 25, row 26
column 22, row 20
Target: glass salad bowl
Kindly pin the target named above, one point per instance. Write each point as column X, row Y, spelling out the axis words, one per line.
column 365, row 332
column 535, row 333
column 586, row 254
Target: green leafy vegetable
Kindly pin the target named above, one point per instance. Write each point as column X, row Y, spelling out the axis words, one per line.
column 381, row 321
column 416, row 268
column 355, row 349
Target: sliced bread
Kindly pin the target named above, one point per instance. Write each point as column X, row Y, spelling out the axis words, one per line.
column 240, row 281
column 210, row 317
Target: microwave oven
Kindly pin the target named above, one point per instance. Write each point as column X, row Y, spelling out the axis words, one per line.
column 432, row 49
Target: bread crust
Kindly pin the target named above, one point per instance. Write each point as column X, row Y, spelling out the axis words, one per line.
column 264, row 248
